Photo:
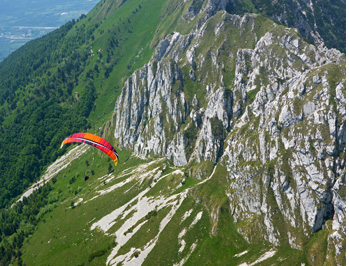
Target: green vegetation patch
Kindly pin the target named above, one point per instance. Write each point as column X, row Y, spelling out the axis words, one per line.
column 219, row 248
column 56, row 241
column 166, row 249
column 252, row 95
column 71, row 237
column 316, row 249
column 147, row 232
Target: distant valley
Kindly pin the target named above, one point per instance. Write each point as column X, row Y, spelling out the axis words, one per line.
column 18, row 25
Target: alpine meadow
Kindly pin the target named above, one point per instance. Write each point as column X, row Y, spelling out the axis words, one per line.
column 216, row 136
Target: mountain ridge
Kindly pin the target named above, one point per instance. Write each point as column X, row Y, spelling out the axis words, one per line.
column 287, row 119
column 243, row 125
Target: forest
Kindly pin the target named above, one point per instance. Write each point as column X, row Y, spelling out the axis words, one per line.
column 18, row 222
column 38, row 109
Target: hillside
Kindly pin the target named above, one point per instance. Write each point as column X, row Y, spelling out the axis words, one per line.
column 230, row 127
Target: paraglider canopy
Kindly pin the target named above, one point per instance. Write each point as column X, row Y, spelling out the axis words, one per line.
column 94, row 141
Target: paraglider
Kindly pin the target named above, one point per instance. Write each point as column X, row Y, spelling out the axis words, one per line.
column 94, row 141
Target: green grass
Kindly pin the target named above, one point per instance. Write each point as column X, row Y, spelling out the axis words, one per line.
column 57, row 237
column 166, row 250
column 146, row 233
column 220, row 248
column 252, row 95
column 134, row 25
column 316, row 249
column 63, row 236
column 166, row 185
column 68, row 242
column 136, row 49
column 188, row 183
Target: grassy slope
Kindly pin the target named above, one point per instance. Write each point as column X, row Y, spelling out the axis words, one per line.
column 133, row 25
column 137, row 26
column 64, row 236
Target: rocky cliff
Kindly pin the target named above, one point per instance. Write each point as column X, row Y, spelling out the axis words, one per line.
column 255, row 99
column 320, row 21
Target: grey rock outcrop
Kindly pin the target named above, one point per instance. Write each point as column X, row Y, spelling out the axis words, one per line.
column 268, row 106
column 312, row 19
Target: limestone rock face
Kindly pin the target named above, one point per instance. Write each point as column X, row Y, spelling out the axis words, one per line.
column 151, row 107
column 253, row 97
column 312, row 19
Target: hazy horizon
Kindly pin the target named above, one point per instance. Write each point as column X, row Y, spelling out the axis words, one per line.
column 22, row 21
